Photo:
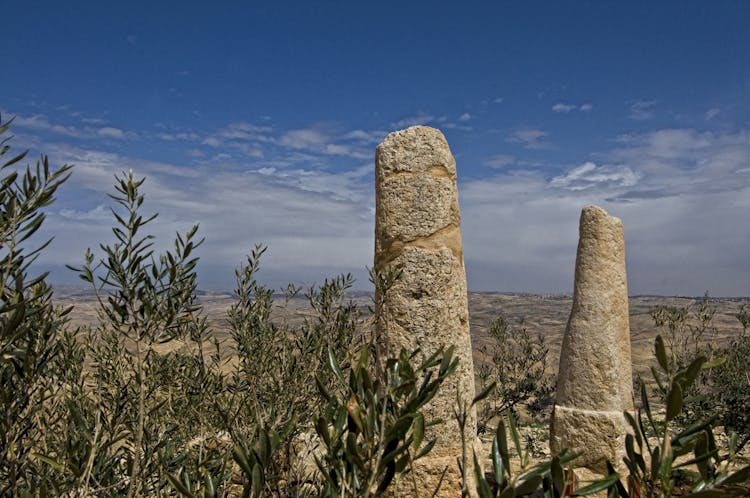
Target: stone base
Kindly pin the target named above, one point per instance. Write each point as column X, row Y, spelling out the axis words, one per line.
column 426, row 476
column 600, row 435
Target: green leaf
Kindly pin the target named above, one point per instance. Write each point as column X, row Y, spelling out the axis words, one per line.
column 598, row 485
column 179, row 486
column 508, row 492
column 558, row 474
column 693, row 370
column 674, row 401
column 49, row 461
column 264, row 448
column 502, row 442
column 701, row 453
column 661, row 353
column 322, row 389
column 333, row 364
column 529, row 486
column 210, row 490
column 238, row 452
column 390, row 472
column 515, row 435
column 257, row 481
column 425, row 449
column 418, row 431
column 742, row 475
column 486, row 392
column 483, row 487
column 498, row 467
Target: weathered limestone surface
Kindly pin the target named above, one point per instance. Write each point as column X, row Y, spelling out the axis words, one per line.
column 594, row 384
column 417, row 228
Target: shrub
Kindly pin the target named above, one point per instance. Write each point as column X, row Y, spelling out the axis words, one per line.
column 30, row 325
column 653, row 469
column 731, row 382
column 374, row 430
column 518, row 367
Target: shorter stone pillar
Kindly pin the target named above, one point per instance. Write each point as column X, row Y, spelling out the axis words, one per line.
column 594, row 383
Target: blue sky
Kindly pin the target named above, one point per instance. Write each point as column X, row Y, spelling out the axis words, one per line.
column 260, row 121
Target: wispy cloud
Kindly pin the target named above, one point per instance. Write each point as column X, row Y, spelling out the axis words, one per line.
column 642, row 110
column 110, row 132
column 94, row 121
column 370, row 137
column 565, row 108
column 499, row 161
column 562, row 107
column 712, row 113
column 421, row 118
column 321, row 141
column 589, row 175
column 530, row 138
column 178, row 136
column 41, row 123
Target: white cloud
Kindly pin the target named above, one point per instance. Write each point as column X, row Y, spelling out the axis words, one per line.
column 464, row 117
column 420, row 118
column 712, row 113
column 530, row 138
column 321, row 141
column 245, row 131
column 642, row 110
column 589, row 175
column 365, row 136
column 562, row 107
column 565, row 108
column 499, row 100
column 181, row 136
column 40, row 122
column 306, row 139
column 499, row 161
column 110, row 132
column 99, row 213
column 212, row 142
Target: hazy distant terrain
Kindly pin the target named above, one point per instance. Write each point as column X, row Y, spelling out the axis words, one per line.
column 545, row 314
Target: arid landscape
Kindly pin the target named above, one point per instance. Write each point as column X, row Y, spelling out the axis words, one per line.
column 541, row 314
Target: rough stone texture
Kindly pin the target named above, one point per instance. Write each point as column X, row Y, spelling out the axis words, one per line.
column 594, row 384
column 417, row 228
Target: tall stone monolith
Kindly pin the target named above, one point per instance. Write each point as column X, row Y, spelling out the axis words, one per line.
column 417, row 229
column 594, row 383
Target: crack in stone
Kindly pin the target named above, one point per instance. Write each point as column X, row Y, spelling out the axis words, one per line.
column 449, row 236
column 437, row 171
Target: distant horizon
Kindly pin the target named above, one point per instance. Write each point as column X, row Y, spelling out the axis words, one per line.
column 260, row 121
column 356, row 292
